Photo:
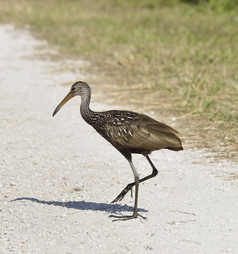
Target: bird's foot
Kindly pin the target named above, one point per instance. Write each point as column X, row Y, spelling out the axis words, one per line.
column 126, row 217
column 123, row 193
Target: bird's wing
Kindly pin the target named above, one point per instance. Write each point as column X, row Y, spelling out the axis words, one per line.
column 156, row 125
column 143, row 134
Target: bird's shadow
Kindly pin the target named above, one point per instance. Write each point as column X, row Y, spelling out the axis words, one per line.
column 84, row 205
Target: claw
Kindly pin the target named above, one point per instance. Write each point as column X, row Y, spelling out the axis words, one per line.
column 123, row 193
column 126, row 217
column 131, row 192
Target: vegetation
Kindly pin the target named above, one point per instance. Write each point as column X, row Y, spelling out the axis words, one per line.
column 185, row 49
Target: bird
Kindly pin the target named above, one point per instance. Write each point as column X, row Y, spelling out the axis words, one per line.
column 130, row 133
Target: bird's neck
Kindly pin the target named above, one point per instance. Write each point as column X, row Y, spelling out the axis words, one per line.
column 85, row 110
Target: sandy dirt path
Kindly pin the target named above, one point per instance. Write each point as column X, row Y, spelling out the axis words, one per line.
column 58, row 177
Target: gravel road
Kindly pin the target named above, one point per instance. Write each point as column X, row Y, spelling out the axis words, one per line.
column 58, row 177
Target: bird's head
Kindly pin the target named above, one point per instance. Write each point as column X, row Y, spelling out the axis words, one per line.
column 79, row 88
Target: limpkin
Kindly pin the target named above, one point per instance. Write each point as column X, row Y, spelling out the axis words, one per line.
column 128, row 132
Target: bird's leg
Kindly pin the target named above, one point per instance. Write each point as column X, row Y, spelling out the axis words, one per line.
column 130, row 185
column 135, row 212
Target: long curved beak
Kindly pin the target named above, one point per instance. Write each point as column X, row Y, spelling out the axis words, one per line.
column 67, row 98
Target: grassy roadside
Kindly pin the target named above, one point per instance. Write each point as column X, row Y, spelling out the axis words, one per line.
column 176, row 57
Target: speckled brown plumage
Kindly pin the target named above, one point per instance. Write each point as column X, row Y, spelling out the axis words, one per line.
column 129, row 132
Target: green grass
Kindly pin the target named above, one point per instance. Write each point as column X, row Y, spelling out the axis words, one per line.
column 187, row 52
